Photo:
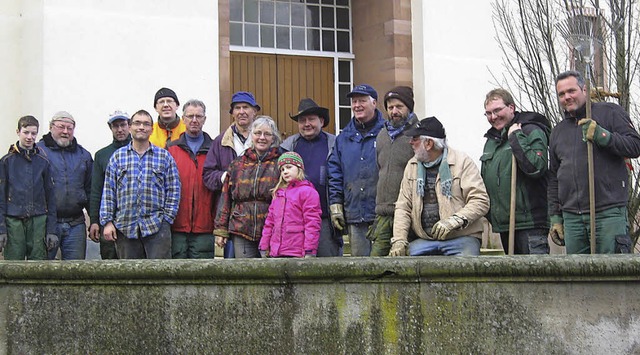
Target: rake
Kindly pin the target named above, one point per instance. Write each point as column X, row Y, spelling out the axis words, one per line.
column 582, row 31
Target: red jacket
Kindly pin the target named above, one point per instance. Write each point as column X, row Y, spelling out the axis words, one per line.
column 293, row 224
column 196, row 210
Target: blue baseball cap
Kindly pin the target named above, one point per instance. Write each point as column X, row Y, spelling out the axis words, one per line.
column 243, row 96
column 363, row 89
column 118, row 115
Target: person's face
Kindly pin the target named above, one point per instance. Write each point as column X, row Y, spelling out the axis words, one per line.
column 62, row 133
column 120, row 130
column 498, row 114
column 27, row 136
column 363, row 107
column 194, row 118
column 289, row 172
column 420, row 148
column 571, row 95
column 166, row 108
column 141, row 127
column 397, row 111
column 243, row 114
column 310, row 126
column 262, row 139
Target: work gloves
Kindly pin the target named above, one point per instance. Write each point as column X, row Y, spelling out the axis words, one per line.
column 52, row 241
column 398, row 248
column 337, row 216
column 443, row 227
column 3, row 241
column 556, row 232
column 593, row 132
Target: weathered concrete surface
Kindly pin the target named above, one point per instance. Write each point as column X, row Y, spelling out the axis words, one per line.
column 429, row 305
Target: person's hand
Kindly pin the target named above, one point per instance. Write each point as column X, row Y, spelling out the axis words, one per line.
column 337, row 216
column 514, row 127
column 593, row 132
column 556, row 232
column 264, row 253
column 398, row 248
column 52, row 241
column 443, row 227
column 94, row 232
column 3, row 241
column 221, row 242
column 109, row 232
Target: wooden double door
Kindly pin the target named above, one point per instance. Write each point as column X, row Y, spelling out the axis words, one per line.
column 279, row 82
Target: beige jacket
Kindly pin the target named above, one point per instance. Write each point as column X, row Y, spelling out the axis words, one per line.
column 469, row 200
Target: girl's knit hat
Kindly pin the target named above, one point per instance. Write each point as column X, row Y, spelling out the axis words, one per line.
column 292, row 158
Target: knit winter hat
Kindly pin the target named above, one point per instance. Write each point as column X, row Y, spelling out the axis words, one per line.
column 402, row 93
column 292, row 158
column 165, row 92
column 63, row 116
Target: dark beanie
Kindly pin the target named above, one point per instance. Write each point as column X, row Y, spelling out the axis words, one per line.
column 402, row 93
column 166, row 92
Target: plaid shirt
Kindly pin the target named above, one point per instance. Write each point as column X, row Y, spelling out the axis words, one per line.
column 140, row 191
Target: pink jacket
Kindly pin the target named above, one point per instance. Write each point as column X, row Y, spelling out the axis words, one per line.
column 293, row 224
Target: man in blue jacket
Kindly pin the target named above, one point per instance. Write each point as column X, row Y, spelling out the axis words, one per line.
column 71, row 171
column 353, row 170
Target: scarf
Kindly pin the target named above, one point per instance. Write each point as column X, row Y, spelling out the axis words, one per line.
column 443, row 171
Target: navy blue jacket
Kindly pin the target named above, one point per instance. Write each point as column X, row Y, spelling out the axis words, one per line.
column 353, row 171
column 26, row 187
column 71, row 171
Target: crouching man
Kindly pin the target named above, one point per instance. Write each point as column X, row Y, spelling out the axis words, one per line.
column 442, row 198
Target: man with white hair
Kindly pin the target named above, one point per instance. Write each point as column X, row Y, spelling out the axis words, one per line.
column 442, row 198
column 71, row 167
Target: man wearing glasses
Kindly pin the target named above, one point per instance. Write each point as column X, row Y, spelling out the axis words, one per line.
column 524, row 135
column 169, row 126
column 140, row 196
column 192, row 230
column 71, row 166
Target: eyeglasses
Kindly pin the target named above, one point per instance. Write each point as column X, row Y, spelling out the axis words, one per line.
column 140, row 123
column 265, row 134
column 193, row 117
column 166, row 102
column 495, row 112
column 63, row 127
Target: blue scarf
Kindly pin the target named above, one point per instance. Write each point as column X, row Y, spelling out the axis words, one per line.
column 443, row 171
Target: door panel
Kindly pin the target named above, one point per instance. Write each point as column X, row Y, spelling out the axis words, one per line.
column 279, row 82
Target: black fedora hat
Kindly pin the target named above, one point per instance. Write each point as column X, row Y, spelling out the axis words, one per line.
column 308, row 106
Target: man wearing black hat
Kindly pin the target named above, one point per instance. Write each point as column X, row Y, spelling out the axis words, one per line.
column 442, row 198
column 119, row 124
column 314, row 145
column 353, row 171
column 393, row 152
column 169, row 126
column 229, row 145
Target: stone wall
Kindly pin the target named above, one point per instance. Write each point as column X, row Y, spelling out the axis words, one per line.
column 428, row 305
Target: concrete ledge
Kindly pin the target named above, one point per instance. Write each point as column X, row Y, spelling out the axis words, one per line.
column 434, row 305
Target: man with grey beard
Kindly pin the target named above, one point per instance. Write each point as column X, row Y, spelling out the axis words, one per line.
column 442, row 198
column 71, row 166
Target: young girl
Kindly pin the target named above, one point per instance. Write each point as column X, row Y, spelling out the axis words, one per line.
column 292, row 228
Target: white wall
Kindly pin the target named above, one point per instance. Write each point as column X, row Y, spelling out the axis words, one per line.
column 454, row 49
column 92, row 57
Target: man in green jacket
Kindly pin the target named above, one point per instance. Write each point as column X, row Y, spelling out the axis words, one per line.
column 524, row 135
column 119, row 124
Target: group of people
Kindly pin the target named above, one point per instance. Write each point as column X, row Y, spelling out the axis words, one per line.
column 166, row 189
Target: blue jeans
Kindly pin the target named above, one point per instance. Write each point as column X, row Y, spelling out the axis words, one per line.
column 73, row 241
column 154, row 246
column 360, row 245
column 458, row 246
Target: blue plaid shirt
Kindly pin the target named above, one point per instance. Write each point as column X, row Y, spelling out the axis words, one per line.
column 140, row 191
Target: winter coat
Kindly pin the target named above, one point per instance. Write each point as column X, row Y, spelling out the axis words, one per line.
column 160, row 136
column 245, row 198
column 470, row 199
column 292, row 227
column 100, row 162
column 529, row 146
column 71, row 172
column 196, row 210
column 219, row 157
column 568, row 167
column 353, row 172
column 26, row 187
